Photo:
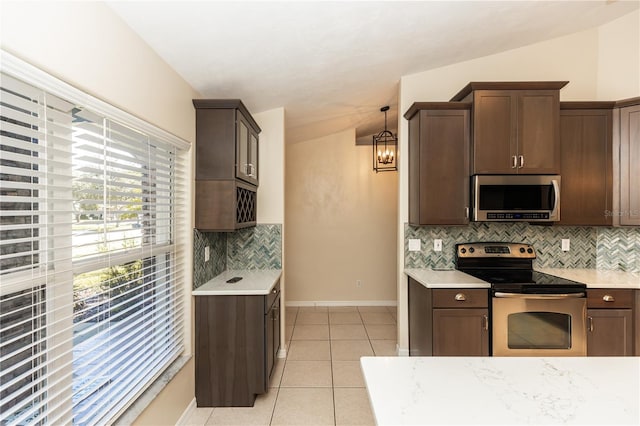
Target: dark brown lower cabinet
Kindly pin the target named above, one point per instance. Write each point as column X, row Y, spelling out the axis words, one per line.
column 610, row 332
column 610, row 322
column 448, row 322
column 237, row 340
column 460, row 332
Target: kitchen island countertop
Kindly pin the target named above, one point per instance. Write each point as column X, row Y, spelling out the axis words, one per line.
column 503, row 390
column 253, row 282
column 439, row 278
column 597, row 278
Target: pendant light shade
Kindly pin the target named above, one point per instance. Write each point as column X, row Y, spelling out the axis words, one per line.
column 385, row 146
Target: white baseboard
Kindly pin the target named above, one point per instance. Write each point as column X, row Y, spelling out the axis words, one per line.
column 402, row 352
column 183, row 418
column 313, row 303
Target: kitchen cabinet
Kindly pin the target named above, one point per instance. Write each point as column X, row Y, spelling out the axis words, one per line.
column 610, row 322
column 515, row 126
column 226, row 165
column 237, row 340
column 439, row 134
column 587, row 166
column 448, row 322
column 628, row 142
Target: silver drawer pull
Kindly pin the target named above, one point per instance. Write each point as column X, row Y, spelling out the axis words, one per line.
column 460, row 297
column 608, row 298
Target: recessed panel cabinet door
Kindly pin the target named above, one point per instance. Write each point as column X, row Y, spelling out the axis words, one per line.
column 610, row 332
column 629, row 169
column 585, row 139
column 494, row 139
column 460, row 332
column 538, row 136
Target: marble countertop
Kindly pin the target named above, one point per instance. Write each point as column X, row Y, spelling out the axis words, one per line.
column 435, row 278
column 253, row 282
column 593, row 278
column 597, row 278
column 503, row 390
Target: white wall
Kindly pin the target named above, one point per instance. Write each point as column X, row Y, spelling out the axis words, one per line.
column 618, row 58
column 590, row 60
column 88, row 46
column 271, row 173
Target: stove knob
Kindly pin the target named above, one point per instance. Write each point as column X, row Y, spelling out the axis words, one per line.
column 471, row 249
column 463, row 250
column 529, row 250
column 521, row 249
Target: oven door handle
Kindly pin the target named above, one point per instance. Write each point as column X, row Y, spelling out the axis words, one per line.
column 538, row 296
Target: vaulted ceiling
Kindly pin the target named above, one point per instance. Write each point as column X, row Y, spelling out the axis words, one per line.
column 332, row 65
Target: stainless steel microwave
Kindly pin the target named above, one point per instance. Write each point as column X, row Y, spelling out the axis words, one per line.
column 516, row 198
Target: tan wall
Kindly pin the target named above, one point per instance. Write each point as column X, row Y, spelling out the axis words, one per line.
column 577, row 58
column 340, row 222
column 89, row 47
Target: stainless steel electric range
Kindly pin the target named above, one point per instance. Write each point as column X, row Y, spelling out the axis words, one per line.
column 532, row 313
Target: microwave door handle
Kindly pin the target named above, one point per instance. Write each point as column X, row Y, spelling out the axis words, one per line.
column 555, row 213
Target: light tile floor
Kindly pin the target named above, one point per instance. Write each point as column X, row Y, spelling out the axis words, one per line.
column 320, row 382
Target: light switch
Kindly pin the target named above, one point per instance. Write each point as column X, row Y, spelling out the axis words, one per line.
column 566, row 244
column 206, row 254
column 414, row 244
column 437, row 245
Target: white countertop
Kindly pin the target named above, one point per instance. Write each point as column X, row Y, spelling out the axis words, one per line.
column 434, row 278
column 253, row 282
column 597, row 278
column 503, row 390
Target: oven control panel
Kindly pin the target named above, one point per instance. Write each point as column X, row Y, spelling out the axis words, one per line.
column 495, row 249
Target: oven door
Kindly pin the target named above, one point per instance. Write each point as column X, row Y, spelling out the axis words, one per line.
column 539, row 324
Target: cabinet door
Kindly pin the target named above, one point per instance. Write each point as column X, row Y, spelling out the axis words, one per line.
column 253, row 157
column 460, row 332
column 585, row 141
column 610, row 332
column 442, row 150
column 242, row 147
column 538, row 140
column 629, row 170
column 494, row 132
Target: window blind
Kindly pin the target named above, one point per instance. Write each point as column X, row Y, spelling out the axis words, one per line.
column 91, row 263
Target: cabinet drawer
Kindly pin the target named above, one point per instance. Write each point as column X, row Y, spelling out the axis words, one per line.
column 271, row 297
column 460, row 298
column 609, row 298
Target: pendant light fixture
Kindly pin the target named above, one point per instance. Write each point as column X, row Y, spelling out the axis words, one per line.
column 385, row 145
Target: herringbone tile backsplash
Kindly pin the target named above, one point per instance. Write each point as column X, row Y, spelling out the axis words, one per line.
column 258, row 247
column 591, row 247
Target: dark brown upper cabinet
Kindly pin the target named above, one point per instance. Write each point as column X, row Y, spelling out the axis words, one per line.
column 226, row 141
column 627, row 139
column 587, row 166
column 226, row 165
column 515, row 126
column 439, row 163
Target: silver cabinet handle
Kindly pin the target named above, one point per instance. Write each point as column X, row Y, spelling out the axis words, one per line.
column 590, row 324
column 486, row 322
column 514, row 161
column 521, row 158
column 460, row 297
column 466, row 212
column 608, row 298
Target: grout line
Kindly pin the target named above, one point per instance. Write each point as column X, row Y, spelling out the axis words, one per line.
column 333, row 389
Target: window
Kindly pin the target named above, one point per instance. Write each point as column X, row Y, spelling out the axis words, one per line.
column 90, row 265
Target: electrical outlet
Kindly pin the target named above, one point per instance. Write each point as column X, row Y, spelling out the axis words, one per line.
column 207, row 254
column 414, row 244
column 566, row 244
column 437, row 245
column 358, row 283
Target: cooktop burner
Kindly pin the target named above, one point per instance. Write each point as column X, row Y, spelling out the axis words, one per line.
column 509, row 268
